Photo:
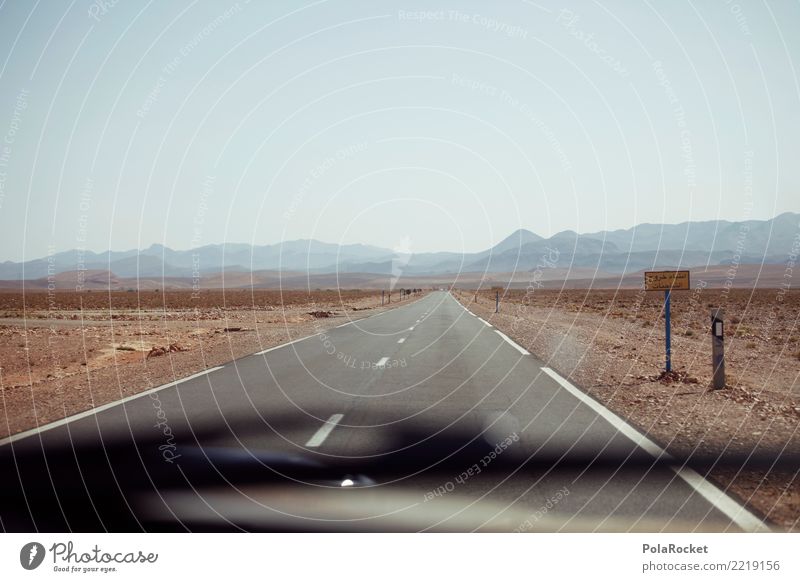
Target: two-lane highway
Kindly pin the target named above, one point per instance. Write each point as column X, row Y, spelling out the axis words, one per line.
column 429, row 368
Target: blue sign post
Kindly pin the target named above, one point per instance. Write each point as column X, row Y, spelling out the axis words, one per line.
column 666, row 281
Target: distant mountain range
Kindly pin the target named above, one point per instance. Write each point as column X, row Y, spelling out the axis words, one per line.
column 646, row 246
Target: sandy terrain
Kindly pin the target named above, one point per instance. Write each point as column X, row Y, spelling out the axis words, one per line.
column 611, row 344
column 66, row 352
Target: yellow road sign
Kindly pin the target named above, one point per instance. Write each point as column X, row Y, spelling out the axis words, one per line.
column 666, row 280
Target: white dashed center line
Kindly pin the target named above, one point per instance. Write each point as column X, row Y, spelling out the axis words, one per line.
column 401, row 340
column 382, row 362
column 320, row 436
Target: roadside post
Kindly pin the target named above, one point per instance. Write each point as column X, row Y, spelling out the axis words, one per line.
column 382, row 294
column 667, row 332
column 497, row 301
column 667, row 281
column 717, row 348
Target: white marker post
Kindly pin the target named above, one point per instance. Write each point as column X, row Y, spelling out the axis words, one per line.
column 717, row 348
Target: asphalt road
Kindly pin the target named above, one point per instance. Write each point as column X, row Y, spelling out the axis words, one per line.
column 426, row 381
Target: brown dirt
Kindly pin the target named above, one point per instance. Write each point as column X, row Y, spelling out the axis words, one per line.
column 57, row 359
column 611, row 343
column 170, row 303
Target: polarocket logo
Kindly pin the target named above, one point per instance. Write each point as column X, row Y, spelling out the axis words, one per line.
column 31, row 555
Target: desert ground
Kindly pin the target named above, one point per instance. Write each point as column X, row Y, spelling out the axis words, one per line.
column 611, row 344
column 65, row 352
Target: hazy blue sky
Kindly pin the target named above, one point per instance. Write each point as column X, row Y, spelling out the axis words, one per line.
column 187, row 123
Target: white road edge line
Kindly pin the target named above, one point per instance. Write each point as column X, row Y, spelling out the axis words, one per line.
column 382, row 362
column 514, row 344
column 401, row 340
column 323, row 432
column 91, row 411
column 484, row 321
column 344, row 324
column 273, row 348
column 736, row 512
